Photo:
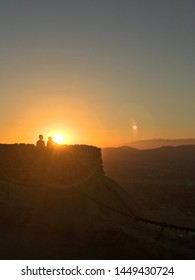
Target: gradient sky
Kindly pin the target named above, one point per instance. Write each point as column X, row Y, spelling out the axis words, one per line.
column 102, row 72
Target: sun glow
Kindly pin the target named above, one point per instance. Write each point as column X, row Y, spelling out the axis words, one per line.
column 134, row 127
column 58, row 138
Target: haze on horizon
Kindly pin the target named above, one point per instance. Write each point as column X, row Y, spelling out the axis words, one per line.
column 103, row 72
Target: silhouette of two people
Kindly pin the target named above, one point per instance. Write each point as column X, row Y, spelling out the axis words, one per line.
column 41, row 142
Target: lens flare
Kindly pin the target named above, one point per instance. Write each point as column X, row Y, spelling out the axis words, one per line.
column 134, row 127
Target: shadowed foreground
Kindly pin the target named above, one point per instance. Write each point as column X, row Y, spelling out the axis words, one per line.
column 72, row 211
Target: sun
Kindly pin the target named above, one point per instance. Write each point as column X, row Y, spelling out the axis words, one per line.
column 58, row 138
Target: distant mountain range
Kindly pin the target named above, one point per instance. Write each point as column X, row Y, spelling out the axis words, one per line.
column 157, row 143
column 161, row 163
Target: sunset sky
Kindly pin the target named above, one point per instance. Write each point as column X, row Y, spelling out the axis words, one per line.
column 100, row 72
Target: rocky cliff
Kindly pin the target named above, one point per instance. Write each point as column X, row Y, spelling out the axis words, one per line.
column 57, row 204
column 68, row 164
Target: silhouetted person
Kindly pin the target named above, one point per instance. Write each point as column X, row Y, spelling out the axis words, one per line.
column 50, row 142
column 40, row 142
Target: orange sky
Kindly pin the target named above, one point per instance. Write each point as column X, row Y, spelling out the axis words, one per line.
column 94, row 72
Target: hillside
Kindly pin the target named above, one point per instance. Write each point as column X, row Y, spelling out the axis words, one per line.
column 174, row 162
column 162, row 181
column 58, row 204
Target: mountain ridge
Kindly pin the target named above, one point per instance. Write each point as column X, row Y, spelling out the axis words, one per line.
column 157, row 143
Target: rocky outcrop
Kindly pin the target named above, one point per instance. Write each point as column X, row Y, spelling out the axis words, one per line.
column 61, row 189
column 61, row 164
column 57, row 204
